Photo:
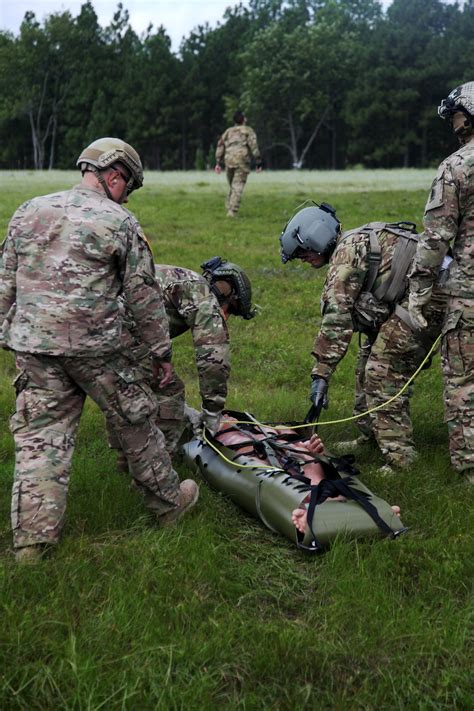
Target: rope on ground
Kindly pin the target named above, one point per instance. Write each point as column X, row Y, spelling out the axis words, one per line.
column 319, row 424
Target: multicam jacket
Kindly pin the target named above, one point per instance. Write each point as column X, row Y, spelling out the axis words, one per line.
column 347, row 303
column 237, row 146
column 449, row 220
column 66, row 259
column 191, row 306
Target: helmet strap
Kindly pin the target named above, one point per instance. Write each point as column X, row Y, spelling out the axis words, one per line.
column 103, row 182
column 465, row 130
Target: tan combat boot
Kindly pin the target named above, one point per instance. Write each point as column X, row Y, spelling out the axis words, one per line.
column 122, row 463
column 189, row 494
column 29, row 555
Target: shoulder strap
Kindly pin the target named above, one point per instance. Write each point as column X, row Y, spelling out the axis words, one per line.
column 393, row 288
column 370, row 229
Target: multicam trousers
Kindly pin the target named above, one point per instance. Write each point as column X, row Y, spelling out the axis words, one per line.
column 169, row 411
column 51, row 391
column 457, row 357
column 383, row 368
column 236, row 177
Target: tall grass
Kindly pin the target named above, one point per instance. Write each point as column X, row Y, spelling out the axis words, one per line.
column 220, row 612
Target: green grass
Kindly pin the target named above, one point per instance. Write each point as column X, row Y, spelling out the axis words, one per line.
column 219, row 612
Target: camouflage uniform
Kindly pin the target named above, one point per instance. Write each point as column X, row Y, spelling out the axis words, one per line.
column 190, row 306
column 236, row 147
column 66, row 258
column 381, row 369
column 449, row 220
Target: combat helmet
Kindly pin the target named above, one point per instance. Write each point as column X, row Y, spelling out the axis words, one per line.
column 240, row 303
column 460, row 99
column 105, row 152
column 312, row 229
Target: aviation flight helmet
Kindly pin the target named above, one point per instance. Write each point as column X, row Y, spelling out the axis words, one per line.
column 106, row 153
column 312, row 229
column 240, row 300
column 460, row 99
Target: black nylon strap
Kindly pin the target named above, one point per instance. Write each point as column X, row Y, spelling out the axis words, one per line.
column 329, row 489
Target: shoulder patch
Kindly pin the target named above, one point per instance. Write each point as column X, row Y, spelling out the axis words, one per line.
column 436, row 196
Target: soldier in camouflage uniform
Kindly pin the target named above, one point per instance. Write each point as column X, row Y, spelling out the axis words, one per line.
column 66, row 259
column 449, row 222
column 202, row 305
column 364, row 291
column 235, row 149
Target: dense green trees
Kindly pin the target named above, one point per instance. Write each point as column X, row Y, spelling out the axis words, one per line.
column 326, row 83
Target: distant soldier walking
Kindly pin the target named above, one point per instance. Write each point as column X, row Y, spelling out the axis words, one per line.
column 66, row 259
column 235, row 149
column 449, row 222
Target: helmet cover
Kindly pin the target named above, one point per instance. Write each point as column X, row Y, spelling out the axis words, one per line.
column 217, row 268
column 312, row 229
column 105, row 152
column 460, row 99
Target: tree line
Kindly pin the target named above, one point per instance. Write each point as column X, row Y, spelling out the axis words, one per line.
column 325, row 83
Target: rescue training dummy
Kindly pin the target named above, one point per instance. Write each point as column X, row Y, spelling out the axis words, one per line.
column 293, row 486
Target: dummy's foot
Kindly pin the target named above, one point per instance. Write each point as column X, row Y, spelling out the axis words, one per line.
column 231, row 214
column 29, row 555
column 189, row 494
column 298, row 516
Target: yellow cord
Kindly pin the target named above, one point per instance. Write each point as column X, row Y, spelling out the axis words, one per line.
column 362, row 414
column 313, row 424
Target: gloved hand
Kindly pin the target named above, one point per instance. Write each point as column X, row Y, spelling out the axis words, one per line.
column 194, row 418
column 319, row 393
column 210, row 420
column 416, row 301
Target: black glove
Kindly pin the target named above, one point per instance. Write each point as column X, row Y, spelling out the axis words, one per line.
column 319, row 393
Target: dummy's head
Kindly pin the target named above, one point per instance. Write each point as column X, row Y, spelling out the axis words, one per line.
column 231, row 286
column 115, row 164
column 458, row 109
column 311, row 235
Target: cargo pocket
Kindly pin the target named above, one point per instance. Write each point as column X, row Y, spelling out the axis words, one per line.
column 135, row 397
column 20, row 417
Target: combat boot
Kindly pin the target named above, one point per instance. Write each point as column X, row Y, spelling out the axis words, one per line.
column 398, row 465
column 468, row 476
column 189, row 494
column 29, row 555
column 122, row 463
column 348, row 445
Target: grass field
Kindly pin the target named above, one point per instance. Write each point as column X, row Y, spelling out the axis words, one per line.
column 220, row 612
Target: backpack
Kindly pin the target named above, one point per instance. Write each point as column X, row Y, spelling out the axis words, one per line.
column 374, row 306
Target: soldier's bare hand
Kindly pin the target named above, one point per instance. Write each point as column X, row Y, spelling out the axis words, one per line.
column 218, row 169
column 162, row 372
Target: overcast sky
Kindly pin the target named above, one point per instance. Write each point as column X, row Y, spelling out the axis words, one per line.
column 179, row 17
